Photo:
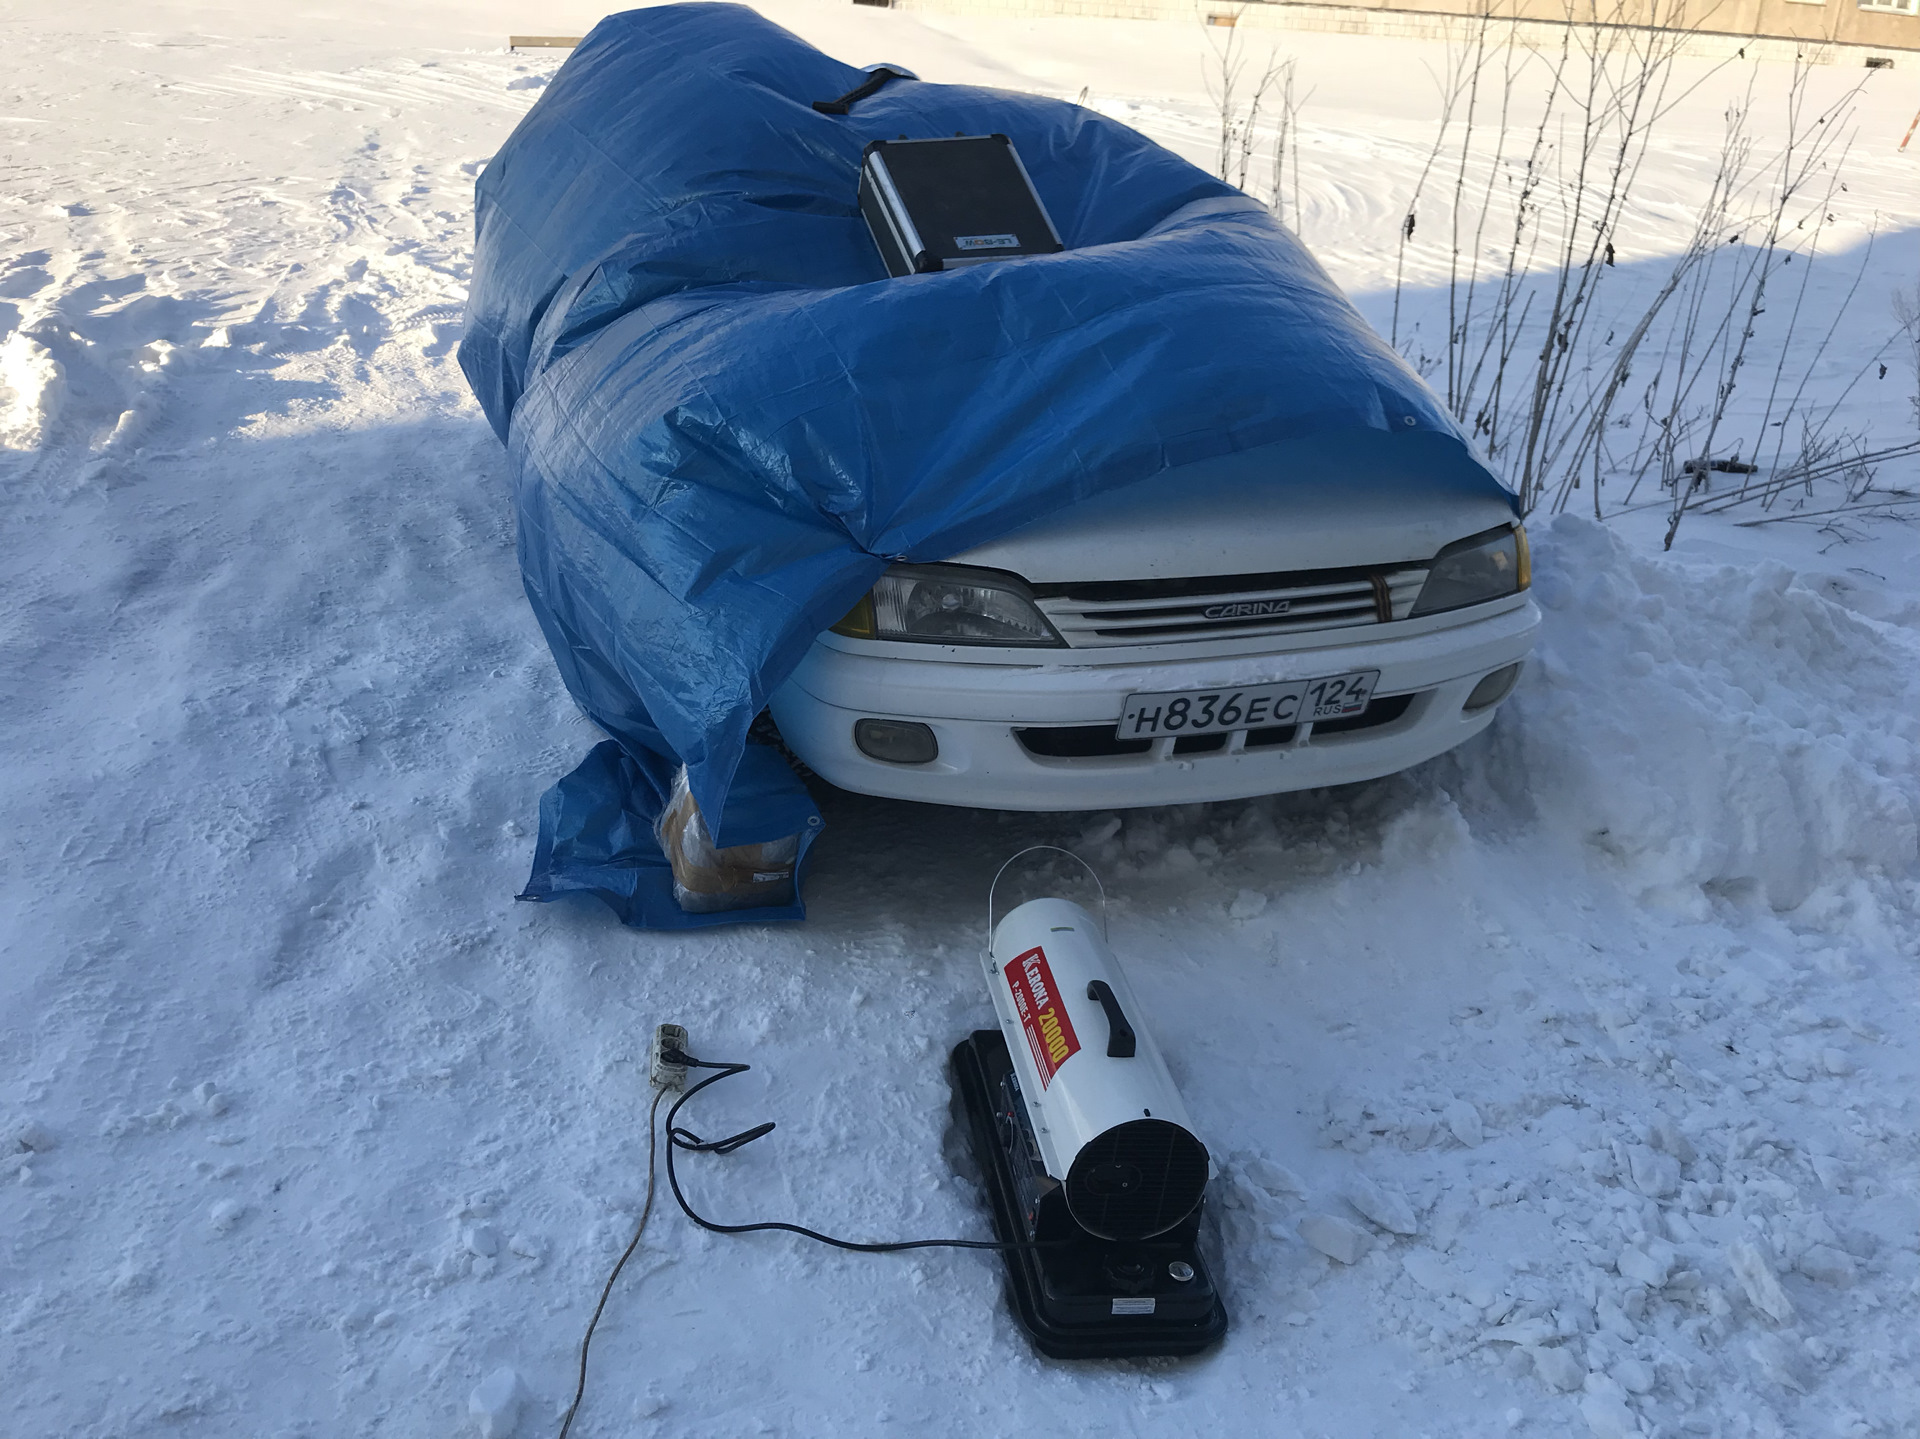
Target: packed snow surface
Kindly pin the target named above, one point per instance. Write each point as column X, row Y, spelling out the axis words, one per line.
column 1564, row 1085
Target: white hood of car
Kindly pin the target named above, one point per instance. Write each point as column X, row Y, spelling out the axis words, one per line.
column 1326, row 503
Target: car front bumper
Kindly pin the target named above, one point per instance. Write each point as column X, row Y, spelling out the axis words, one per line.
column 976, row 711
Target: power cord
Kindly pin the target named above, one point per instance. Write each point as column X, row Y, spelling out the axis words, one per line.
column 646, row 1209
column 680, row 1138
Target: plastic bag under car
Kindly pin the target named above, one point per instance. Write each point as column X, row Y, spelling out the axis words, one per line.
column 597, row 835
column 708, row 880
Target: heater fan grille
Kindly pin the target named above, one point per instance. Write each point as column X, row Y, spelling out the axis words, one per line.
column 1137, row 1180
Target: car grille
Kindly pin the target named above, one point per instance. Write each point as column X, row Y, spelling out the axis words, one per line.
column 1135, row 612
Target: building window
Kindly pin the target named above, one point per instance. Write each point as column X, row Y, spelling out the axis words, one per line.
column 1897, row 7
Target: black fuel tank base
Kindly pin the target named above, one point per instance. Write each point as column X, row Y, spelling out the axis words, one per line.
column 1083, row 1297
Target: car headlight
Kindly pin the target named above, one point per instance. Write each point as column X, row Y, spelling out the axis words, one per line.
column 949, row 605
column 1472, row 571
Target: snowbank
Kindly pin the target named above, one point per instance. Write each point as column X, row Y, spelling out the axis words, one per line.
column 1715, row 728
column 30, row 384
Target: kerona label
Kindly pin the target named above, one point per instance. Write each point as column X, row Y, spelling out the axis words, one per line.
column 1036, row 999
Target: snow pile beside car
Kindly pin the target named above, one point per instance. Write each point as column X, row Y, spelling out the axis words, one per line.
column 1707, row 725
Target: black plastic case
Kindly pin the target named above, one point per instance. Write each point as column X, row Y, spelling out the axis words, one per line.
column 1078, row 1297
column 941, row 204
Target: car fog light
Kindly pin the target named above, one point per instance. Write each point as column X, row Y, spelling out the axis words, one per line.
column 1492, row 688
column 895, row 741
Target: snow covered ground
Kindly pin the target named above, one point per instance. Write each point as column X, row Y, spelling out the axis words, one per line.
column 1586, row 1055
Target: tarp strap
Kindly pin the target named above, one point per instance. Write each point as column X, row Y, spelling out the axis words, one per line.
column 874, row 81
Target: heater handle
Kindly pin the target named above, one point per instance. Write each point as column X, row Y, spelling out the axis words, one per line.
column 1120, row 1040
column 1032, row 849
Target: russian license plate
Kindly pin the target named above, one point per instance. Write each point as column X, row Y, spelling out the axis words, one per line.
column 1220, row 711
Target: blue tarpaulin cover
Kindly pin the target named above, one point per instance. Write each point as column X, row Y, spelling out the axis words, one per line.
column 724, row 420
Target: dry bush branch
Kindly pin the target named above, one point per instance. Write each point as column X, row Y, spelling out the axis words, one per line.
column 1569, row 377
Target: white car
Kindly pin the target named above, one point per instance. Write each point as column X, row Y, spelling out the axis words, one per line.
column 1207, row 635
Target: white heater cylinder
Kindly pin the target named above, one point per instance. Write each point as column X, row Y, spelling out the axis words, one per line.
column 1111, row 1126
